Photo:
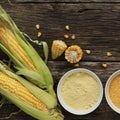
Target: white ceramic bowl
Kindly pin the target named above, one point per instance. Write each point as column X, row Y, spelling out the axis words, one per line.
column 70, row 109
column 107, row 91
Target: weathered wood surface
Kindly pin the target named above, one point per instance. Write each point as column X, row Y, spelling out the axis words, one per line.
column 61, row 1
column 58, row 68
column 97, row 27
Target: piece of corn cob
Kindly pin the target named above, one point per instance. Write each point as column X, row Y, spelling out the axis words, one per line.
column 73, row 54
column 23, row 55
column 58, row 47
column 29, row 98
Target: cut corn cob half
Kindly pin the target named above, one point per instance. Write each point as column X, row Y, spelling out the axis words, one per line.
column 58, row 47
column 22, row 54
column 29, row 98
column 73, row 54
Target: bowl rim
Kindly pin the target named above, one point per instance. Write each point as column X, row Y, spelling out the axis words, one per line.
column 109, row 101
column 70, row 109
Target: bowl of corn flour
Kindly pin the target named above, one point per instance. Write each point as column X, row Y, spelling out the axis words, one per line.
column 112, row 91
column 80, row 91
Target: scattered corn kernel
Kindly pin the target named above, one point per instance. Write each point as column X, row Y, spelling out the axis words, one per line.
column 109, row 54
column 77, row 65
column 66, row 36
column 39, row 34
column 73, row 37
column 58, row 47
column 73, row 54
column 88, row 51
column 104, row 65
column 67, row 27
column 37, row 26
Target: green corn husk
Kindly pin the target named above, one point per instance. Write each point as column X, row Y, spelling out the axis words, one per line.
column 23, row 55
column 52, row 112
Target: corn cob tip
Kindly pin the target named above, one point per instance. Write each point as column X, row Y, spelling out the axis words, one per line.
column 58, row 47
column 73, row 54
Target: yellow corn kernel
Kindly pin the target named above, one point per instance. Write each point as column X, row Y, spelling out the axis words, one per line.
column 66, row 36
column 104, row 65
column 73, row 37
column 15, row 87
column 67, row 27
column 109, row 54
column 39, row 34
column 73, row 54
column 58, row 47
column 8, row 39
column 37, row 26
column 88, row 52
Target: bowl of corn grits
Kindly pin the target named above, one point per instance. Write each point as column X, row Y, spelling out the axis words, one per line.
column 112, row 91
column 80, row 91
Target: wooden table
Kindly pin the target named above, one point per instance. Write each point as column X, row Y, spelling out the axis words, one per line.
column 96, row 24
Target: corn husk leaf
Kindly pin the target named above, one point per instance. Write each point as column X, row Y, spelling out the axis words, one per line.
column 38, row 80
column 45, row 50
column 43, row 43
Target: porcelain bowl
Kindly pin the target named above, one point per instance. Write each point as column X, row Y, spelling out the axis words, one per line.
column 107, row 91
column 61, row 100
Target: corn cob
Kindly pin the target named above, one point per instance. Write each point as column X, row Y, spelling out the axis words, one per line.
column 15, row 47
column 23, row 55
column 73, row 54
column 58, row 47
column 16, row 88
column 28, row 97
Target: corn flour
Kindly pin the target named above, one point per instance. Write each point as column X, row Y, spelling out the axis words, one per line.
column 80, row 91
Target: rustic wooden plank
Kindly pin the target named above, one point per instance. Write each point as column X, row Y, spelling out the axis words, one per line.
column 58, row 69
column 85, row 19
column 98, row 114
column 96, row 26
column 99, row 46
column 61, row 1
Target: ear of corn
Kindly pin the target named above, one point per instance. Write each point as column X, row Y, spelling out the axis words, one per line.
column 36, row 113
column 29, row 98
column 58, row 47
column 21, row 92
column 8, row 39
column 34, row 101
column 22, row 54
column 33, row 76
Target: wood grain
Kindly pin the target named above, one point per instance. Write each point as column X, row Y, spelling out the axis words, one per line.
column 97, row 115
column 61, row 1
column 96, row 25
column 58, row 68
